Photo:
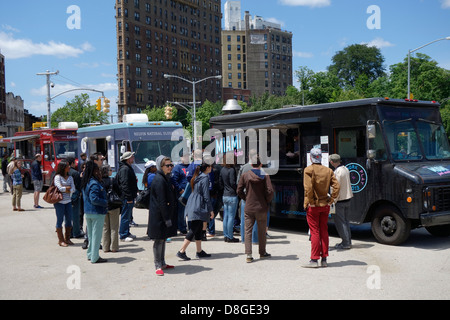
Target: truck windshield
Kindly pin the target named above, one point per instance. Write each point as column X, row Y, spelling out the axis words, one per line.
column 150, row 150
column 416, row 140
column 66, row 149
column 434, row 140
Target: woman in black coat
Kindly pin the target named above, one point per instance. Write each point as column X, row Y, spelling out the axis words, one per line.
column 162, row 212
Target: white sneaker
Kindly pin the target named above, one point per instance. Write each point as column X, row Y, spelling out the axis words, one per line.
column 127, row 239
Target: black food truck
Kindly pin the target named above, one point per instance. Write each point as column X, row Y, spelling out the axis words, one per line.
column 397, row 152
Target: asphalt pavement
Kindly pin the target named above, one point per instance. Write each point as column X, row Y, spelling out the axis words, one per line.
column 35, row 267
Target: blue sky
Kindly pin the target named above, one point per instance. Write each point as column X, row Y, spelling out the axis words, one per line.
column 34, row 37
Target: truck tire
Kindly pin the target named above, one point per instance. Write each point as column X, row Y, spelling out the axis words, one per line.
column 389, row 227
column 27, row 182
column 439, row 231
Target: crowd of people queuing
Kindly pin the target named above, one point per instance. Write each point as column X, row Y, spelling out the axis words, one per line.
column 184, row 198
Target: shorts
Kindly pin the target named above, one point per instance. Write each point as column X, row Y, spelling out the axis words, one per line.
column 38, row 185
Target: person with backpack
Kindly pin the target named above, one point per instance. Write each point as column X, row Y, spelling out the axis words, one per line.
column 255, row 188
column 317, row 182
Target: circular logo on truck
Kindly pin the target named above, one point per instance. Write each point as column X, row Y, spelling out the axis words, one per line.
column 358, row 177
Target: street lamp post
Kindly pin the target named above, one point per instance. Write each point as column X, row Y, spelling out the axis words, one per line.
column 193, row 83
column 49, row 99
column 409, row 62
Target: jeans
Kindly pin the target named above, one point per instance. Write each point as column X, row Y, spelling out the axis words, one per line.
column 159, row 250
column 63, row 213
column 342, row 223
column 127, row 210
column 5, row 182
column 181, row 219
column 317, row 218
column 211, row 227
column 94, row 226
column 229, row 212
column 76, row 231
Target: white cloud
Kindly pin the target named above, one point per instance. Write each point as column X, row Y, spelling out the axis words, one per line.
column 300, row 54
column 306, row 3
column 445, row 4
column 380, row 43
column 23, row 48
column 275, row 20
column 7, row 27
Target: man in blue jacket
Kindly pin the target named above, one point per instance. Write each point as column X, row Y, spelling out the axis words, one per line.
column 179, row 181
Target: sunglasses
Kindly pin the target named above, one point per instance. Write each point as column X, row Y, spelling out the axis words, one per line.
column 168, row 165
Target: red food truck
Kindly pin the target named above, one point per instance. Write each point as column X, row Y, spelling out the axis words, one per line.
column 53, row 145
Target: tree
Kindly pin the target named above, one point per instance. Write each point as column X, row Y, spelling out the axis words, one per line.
column 203, row 114
column 79, row 110
column 157, row 114
column 428, row 80
column 356, row 60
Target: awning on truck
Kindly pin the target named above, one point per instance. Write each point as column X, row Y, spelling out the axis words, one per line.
column 19, row 138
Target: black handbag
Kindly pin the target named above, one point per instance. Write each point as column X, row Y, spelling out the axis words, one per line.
column 143, row 199
column 114, row 201
column 113, row 196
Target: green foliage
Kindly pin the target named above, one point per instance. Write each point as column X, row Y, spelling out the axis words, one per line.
column 157, row 114
column 204, row 113
column 79, row 110
column 357, row 60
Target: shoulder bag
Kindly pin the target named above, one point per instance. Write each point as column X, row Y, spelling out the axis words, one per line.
column 53, row 195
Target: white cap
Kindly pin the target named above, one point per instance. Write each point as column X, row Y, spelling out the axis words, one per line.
column 149, row 164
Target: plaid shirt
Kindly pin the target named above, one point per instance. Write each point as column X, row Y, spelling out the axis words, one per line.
column 16, row 177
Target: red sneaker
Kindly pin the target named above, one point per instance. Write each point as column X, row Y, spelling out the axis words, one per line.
column 168, row 266
column 159, row 272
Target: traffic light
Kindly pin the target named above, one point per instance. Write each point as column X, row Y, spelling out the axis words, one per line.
column 106, row 106
column 99, row 104
column 168, row 112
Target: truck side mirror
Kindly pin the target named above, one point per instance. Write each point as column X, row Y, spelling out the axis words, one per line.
column 371, row 154
column 371, row 131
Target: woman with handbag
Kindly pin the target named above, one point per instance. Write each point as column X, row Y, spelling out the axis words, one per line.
column 64, row 182
column 17, row 187
column 110, row 242
column 95, row 209
column 199, row 209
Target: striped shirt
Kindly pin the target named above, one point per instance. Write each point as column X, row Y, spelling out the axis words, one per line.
column 61, row 184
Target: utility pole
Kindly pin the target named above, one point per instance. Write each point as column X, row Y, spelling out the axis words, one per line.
column 48, row 74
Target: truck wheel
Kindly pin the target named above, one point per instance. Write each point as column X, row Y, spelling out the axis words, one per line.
column 439, row 231
column 27, row 182
column 389, row 227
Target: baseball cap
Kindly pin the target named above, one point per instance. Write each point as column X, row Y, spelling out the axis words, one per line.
column 149, row 164
column 316, row 155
